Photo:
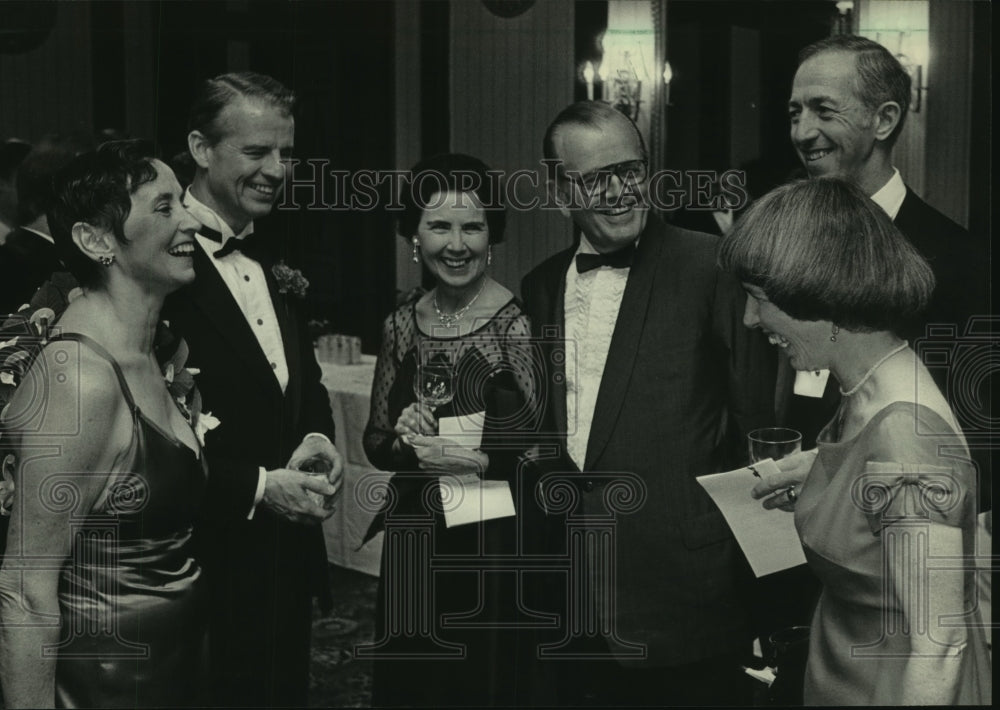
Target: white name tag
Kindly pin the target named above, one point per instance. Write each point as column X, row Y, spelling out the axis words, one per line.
column 811, row 383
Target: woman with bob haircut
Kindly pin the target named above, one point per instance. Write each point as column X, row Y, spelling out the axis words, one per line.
column 121, row 599
column 832, row 282
column 474, row 327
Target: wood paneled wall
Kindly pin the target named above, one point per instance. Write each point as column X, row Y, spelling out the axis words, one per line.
column 509, row 78
column 49, row 89
column 949, row 108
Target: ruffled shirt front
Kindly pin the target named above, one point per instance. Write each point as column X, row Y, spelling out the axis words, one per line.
column 591, row 305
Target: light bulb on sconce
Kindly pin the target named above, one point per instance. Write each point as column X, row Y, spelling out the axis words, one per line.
column 668, row 74
column 588, row 76
column 604, row 73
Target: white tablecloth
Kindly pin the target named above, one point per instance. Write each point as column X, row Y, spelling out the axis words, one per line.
column 350, row 394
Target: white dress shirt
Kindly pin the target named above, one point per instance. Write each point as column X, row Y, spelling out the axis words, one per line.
column 591, row 304
column 245, row 280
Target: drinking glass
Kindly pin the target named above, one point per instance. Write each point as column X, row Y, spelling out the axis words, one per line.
column 773, row 443
column 434, row 383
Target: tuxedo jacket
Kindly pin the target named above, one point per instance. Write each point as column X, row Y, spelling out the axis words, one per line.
column 683, row 383
column 26, row 261
column 260, row 426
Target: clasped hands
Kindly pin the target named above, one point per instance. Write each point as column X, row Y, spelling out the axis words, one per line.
column 794, row 470
column 417, row 427
column 303, row 496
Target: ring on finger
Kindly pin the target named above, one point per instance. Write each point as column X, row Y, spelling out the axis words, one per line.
column 792, row 495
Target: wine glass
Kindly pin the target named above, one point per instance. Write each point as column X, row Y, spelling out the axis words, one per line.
column 434, row 384
column 773, row 443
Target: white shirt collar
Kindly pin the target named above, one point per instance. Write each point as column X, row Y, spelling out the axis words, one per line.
column 211, row 219
column 890, row 197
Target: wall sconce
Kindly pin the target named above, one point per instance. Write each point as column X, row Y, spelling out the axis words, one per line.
column 845, row 10
column 625, row 90
column 917, row 88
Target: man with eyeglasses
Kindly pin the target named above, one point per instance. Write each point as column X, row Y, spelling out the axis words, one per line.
column 659, row 384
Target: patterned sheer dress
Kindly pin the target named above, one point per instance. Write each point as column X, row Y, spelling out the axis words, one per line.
column 449, row 616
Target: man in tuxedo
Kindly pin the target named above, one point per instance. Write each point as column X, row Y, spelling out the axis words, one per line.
column 849, row 102
column 660, row 384
column 28, row 256
column 264, row 550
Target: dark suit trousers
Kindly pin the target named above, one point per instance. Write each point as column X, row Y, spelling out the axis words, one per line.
column 259, row 633
column 711, row 682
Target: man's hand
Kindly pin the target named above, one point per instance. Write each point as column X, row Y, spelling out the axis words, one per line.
column 286, row 492
column 445, row 456
column 794, row 470
column 317, row 455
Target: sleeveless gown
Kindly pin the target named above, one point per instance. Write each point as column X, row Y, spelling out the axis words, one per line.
column 862, row 499
column 131, row 597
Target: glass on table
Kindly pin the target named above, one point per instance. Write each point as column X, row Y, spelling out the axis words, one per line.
column 773, row 443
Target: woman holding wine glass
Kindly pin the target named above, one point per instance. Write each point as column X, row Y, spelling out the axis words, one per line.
column 458, row 349
column 892, row 493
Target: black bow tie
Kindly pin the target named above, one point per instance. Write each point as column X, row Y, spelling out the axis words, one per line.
column 249, row 245
column 621, row 259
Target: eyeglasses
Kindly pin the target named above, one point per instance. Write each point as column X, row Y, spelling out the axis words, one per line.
column 598, row 181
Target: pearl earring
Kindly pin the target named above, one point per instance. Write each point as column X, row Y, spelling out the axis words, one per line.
column 489, row 255
column 833, row 335
column 106, row 260
column 416, row 254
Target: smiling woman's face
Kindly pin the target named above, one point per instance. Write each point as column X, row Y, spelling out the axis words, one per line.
column 160, row 234
column 454, row 238
column 805, row 342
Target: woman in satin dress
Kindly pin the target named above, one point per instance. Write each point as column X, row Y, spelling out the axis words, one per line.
column 101, row 598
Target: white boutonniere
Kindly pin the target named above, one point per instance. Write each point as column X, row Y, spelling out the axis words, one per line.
column 204, row 422
column 290, row 280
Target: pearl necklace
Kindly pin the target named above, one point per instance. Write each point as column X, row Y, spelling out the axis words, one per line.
column 450, row 320
column 871, row 370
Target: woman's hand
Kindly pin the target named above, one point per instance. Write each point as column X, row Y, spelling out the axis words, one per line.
column 445, row 456
column 794, row 470
column 416, row 420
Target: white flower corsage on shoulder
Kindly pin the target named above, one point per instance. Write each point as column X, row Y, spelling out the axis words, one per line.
column 290, row 280
column 181, row 385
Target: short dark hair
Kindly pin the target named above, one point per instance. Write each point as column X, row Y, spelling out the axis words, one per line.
column 217, row 93
column 34, row 175
column 880, row 77
column 451, row 172
column 820, row 249
column 585, row 113
column 97, row 188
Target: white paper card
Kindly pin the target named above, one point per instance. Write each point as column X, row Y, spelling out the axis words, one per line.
column 810, row 383
column 466, row 429
column 470, row 499
column 767, row 537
